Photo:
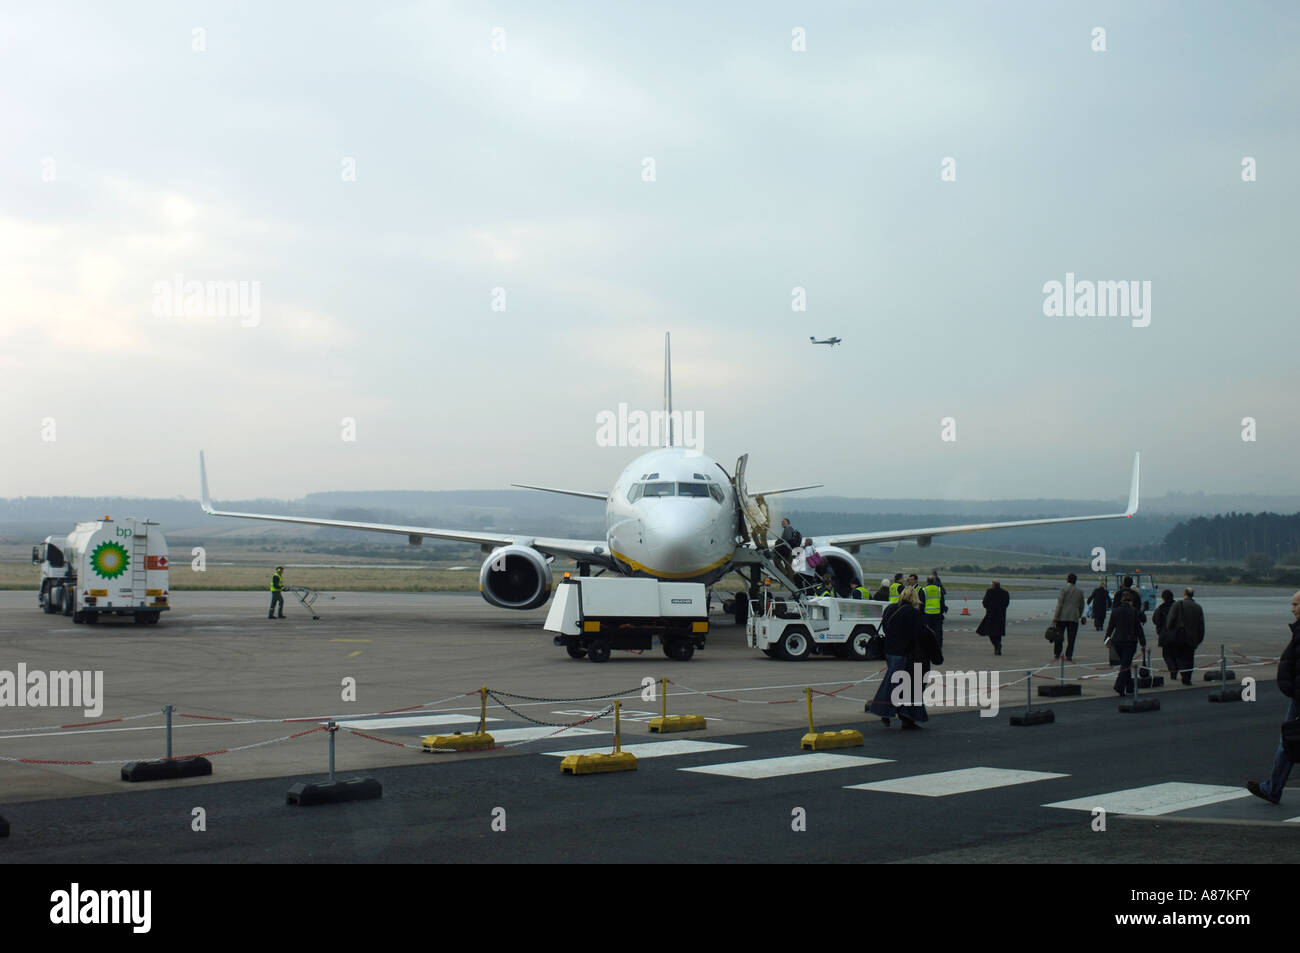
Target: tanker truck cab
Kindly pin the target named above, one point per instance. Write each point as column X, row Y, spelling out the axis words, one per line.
column 106, row 567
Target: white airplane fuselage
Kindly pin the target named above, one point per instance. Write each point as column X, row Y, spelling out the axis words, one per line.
column 672, row 515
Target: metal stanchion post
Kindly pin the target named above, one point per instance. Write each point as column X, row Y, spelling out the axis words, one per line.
column 1223, row 666
column 168, row 712
column 1029, row 692
column 332, row 728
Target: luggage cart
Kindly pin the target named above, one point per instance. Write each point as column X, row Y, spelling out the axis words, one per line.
column 307, row 597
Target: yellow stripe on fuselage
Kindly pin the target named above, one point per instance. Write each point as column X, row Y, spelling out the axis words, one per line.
column 639, row 567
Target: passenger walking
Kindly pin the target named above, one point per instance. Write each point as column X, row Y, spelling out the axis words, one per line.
column 1186, row 624
column 1124, row 633
column 994, row 624
column 1098, row 603
column 788, row 540
column 907, row 642
column 1066, row 616
column 1271, row 788
column 882, row 594
column 1160, row 619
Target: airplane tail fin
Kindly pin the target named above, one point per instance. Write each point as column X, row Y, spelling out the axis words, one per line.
column 668, row 388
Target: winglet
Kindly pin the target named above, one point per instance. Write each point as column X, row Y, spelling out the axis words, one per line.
column 1133, row 490
column 205, row 500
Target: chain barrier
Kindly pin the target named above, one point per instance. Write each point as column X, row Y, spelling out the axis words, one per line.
column 202, row 754
column 86, row 724
column 495, row 692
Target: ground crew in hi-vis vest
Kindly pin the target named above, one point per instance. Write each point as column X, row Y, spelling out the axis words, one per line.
column 277, row 592
column 863, row 591
column 895, row 587
column 935, row 607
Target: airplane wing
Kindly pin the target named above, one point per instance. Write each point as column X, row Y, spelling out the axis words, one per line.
column 788, row 489
column 851, row 541
column 551, row 489
column 594, row 551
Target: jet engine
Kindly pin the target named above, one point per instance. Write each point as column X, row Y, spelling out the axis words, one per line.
column 515, row 577
column 845, row 568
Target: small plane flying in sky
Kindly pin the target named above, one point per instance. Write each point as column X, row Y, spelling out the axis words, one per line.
column 672, row 514
column 831, row 341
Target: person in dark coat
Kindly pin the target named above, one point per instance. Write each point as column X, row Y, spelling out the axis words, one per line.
column 1186, row 626
column 1098, row 603
column 994, row 624
column 1271, row 788
column 907, row 641
column 1160, row 619
column 1124, row 632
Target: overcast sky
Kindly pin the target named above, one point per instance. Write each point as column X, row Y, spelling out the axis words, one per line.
column 374, row 171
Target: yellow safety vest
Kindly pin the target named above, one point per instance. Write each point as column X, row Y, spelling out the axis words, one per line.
column 277, row 584
column 931, row 600
column 894, row 589
column 864, row 592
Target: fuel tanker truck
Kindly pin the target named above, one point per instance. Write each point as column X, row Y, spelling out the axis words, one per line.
column 105, row 567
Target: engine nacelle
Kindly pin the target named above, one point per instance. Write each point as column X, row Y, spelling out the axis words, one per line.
column 847, row 572
column 515, row 577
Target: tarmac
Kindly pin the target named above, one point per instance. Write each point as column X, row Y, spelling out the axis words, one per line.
column 243, row 686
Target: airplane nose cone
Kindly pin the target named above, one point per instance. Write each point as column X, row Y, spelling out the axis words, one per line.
column 678, row 536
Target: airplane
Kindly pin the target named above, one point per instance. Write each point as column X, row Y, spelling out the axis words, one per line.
column 672, row 514
column 831, row 341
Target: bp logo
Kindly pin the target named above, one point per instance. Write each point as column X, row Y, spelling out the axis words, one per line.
column 109, row 560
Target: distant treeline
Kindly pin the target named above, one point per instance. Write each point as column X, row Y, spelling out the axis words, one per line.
column 1256, row 540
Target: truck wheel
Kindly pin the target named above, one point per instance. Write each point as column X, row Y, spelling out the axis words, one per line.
column 91, row 617
column 141, row 618
column 770, row 653
column 681, row 650
column 795, row 644
column 598, row 650
column 741, row 610
column 858, row 642
column 155, row 616
column 575, row 650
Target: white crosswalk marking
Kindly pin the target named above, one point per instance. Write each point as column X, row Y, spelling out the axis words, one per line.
column 792, row 764
column 945, row 783
column 1155, row 798
column 657, row 749
column 503, row 735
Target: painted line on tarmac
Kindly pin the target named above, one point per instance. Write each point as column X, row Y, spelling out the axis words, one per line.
column 961, row 781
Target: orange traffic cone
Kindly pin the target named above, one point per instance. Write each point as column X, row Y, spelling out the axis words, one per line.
column 964, row 609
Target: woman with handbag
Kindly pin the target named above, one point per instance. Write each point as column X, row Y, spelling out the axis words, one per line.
column 907, row 643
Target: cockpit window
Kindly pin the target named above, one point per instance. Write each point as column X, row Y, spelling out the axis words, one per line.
column 660, row 489
column 634, row 492
column 692, row 489
column 715, row 491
